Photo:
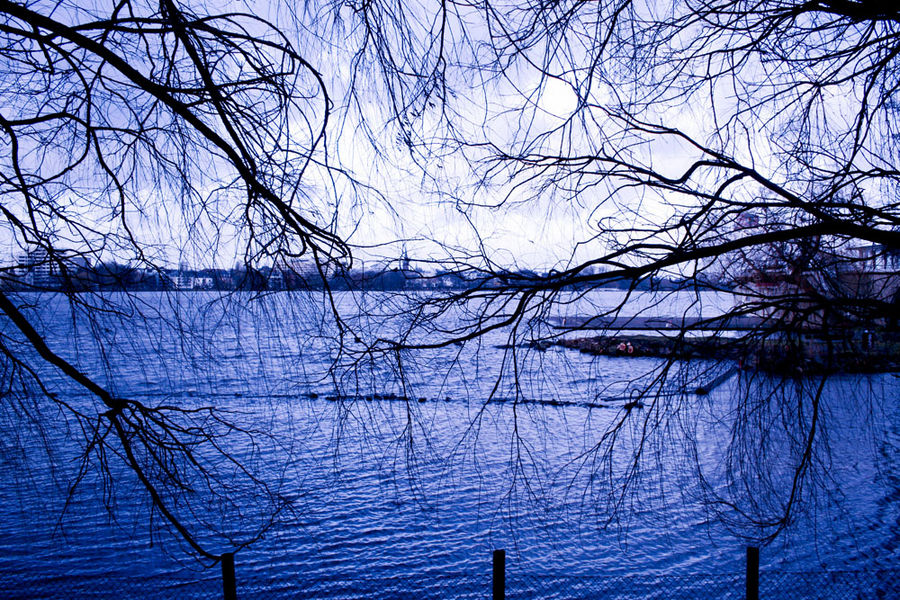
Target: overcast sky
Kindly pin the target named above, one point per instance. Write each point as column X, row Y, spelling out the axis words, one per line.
column 398, row 178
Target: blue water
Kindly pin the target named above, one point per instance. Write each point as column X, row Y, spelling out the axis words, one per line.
column 416, row 466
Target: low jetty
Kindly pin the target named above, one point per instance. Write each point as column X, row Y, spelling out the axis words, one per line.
column 641, row 323
column 803, row 355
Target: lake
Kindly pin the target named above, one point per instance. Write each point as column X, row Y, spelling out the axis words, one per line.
column 412, row 466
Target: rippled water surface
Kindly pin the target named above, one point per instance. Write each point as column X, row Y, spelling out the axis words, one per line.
column 474, row 447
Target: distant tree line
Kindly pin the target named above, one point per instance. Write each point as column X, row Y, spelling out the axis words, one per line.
column 114, row 276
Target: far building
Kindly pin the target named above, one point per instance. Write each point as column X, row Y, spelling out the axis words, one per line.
column 874, row 271
column 186, row 280
column 182, row 281
column 35, row 268
column 299, row 273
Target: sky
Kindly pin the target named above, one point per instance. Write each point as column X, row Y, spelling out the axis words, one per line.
column 392, row 174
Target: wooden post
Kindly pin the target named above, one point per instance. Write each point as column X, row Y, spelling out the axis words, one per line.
column 229, row 586
column 752, row 573
column 499, row 575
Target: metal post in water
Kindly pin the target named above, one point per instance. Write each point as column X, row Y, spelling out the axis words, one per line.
column 752, row 573
column 499, row 575
column 229, row 586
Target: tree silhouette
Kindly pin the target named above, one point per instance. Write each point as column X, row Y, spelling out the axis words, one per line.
column 125, row 129
column 694, row 141
column 716, row 143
